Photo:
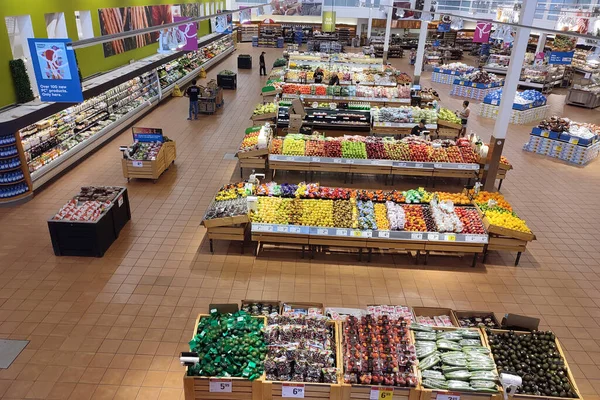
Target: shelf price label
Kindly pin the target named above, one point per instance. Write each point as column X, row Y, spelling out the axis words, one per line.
column 295, row 229
column 292, row 390
column 384, row 234
column 381, row 393
column 322, row 231
column 337, row 160
column 137, row 164
column 450, row 237
column 341, row 232
column 418, row 165
column 545, row 134
column 356, row 233
column 574, row 140
column 433, row 236
column 220, row 386
column 282, row 229
column 316, row 159
column 416, row 236
column 447, row 396
column 437, row 165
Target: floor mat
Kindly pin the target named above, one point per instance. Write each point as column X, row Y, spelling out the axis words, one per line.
column 9, row 350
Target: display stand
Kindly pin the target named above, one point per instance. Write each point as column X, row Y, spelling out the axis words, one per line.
column 401, row 129
column 447, row 129
column 90, row 239
column 150, row 169
column 227, row 81
column 447, row 76
column 473, row 90
column 568, row 148
column 519, row 117
column 583, row 98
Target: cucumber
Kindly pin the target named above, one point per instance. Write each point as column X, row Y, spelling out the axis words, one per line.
column 469, row 342
column 451, row 368
column 458, row 385
column 476, row 349
column 429, row 362
column 449, row 335
column 479, row 366
column 425, row 336
column 468, row 334
column 444, row 344
column 457, row 362
column 433, row 375
column 461, row 375
column 434, row 384
column 423, row 352
column 421, row 327
column 483, row 385
column 478, row 357
column 483, row 376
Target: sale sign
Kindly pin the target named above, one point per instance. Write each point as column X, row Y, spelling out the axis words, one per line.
column 482, row 32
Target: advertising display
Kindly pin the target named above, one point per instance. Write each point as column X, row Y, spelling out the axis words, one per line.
column 297, row 7
column 189, row 32
column 147, row 135
column 124, row 19
column 482, row 32
column 245, row 15
column 56, row 70
column 222, row 23
column 328, row 24
column 561, row 57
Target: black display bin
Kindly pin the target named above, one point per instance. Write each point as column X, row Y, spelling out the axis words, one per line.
column 90, row 239
column 244, row 61
column 227, row 81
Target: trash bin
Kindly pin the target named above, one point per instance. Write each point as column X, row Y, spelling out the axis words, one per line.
column 244, row 61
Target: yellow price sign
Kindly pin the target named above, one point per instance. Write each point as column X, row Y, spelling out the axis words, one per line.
column 451, row 238
column 381, row 393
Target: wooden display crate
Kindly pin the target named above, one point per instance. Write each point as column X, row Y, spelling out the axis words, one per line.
column 264, row 117
column 501, row 231
column 448, row 124
column 198, row 387
column 236, row 232
column 151, row 169
column 272, row 390
column 467, row 314
column 447, row 132
column 562, row 354
column 276, row 303
column 226, row 221
column 434, row 312
column 252, row 153
column 254, row 162
column 300, row 304
column 431, row 394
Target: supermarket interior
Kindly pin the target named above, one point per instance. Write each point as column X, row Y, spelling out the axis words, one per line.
column 300, row 199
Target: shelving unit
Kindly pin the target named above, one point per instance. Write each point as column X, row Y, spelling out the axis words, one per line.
column 269, row 35
column 543, row 78
column 586, row 93
column 246, row 32
column 498, row 64
column 320, row 118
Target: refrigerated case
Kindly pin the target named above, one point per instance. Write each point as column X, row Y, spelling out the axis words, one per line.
column 497, row 63
column 50, row 137
column 585, row 92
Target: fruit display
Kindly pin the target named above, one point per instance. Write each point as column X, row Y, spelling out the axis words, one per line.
column 415, row 218
column 396, row 216
column 444, row 216
column 376, row 150
column 577, row 129
column 438, row 154
column 378, row 351
column 227, row 208
column 437, row 320
column 268, row 108
column 480, row 76
column 366, row 215
column 397, row 150
column 404, row 115
column 315, row 148
column 89, row 204
column 378, row 92
column 229, row 345
column 419, row 195
column 301, row 348
column 231, row 191
column 351, row 149
column 344, row 214
column 448, row 115
column 499, row 212
column 293, row 145
column 471, row 222
column 144, row 151
column 536, row 358
column 456, row 198
column 260, row 308
column 381, row 219
column 276, row 146
column 333, row 148
column 462, row 68
column 454, row 360
column 486, row 321
column 258, row 138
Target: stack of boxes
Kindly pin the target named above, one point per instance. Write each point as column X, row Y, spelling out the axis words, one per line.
column 444, row 78
column 517, row 116
column 548, row 143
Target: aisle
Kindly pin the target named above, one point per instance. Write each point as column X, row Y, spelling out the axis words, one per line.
column 112, row 327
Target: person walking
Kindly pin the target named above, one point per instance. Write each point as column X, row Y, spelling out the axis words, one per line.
column 464, row 117
column 263, row 65
column 193, row 92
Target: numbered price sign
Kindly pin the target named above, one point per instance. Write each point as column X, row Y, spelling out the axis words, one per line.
column 381, row 393
column 292, row 390
column 220, row 386
column 137, row 164
column 447, row 396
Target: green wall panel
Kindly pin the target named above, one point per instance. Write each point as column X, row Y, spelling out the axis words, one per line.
column 91, row 59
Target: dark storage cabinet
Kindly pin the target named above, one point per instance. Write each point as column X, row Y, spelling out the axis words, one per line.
column 227, row 81
column 244, row 61
column 90, row 239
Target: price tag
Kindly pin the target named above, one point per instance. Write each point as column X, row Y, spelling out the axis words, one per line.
column 356, row 233
column 322, row 231
column 120, row 201
column 337, row 160
column 418, row 165
column 402, row 164
column 437, row 165
column 349, row 161
column 283, row 229
column 295, row 229
column 341, row 232
column 384, row 234
column 293, row 390
column 545, row 134
column 240, row 319
column 447, row 396
column 574, row 140
column 220, row 386
column 433, row 236
column 450, row 237
column 316, row 159
column 268, row 228
column 416, row 236
column 367, row 234
column 494, row 102
column 137, row 164
column 381, row 393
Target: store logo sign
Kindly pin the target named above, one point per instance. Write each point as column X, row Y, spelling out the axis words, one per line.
column 482, row 32
column 561, row 57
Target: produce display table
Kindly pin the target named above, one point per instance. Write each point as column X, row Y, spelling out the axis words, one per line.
column 227, row 81
column 383, row 167
column 519, row 117
column 569, row 149
column 90, row 239
column 446, row 76
column 150, row 169
column 583, row 98
column 473, row 90
column 398, row 128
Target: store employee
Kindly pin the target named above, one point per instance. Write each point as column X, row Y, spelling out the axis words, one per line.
column 335, row 79
column 417, row 130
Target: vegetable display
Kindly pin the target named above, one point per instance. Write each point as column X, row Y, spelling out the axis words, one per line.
column 535, row 358
column 404, row 115
column 229, row 345
column 454, row 360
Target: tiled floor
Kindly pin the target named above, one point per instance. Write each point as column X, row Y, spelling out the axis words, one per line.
column 111, row 328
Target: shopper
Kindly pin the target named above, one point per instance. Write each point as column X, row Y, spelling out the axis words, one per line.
column 413, row 56
column 335, row 79
column 319, row 75
column 417, row 130
column 193, row 92
column 263, row 65
column 464, row 117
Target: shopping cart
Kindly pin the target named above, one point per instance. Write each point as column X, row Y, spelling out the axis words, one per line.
column 211, row 100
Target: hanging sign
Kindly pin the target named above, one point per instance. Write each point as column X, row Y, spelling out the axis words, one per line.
column 146, row 135
column 189, row 34
column 445, row 24
column 482, row 32
column 55, row 70
column 561, row 57
column 245, row 15
column 328, row 23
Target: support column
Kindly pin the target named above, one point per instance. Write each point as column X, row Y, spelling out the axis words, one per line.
column 421, row 45
column 541, row 43
column 508, row 94
column 388, row 30
column 369, row 25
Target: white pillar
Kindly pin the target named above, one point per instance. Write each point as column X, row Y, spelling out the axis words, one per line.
column 541, row 43
column 422, row 40
column 508, row 93
column 388, row 30
column 369, row 24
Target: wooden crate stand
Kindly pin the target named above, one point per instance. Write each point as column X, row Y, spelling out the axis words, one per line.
column 198, row 387
column 562, row 354
column 151, row 169
column 435, row 312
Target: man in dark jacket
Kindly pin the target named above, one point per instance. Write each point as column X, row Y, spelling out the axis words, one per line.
column 263, row 65
column 193, row 92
